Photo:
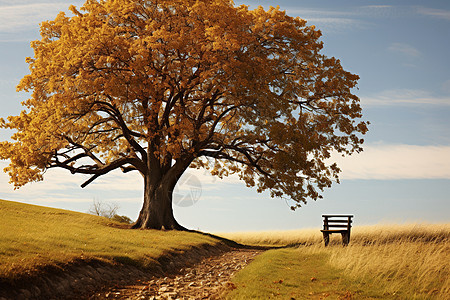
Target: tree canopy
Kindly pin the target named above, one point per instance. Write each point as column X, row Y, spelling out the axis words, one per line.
column 160, row 86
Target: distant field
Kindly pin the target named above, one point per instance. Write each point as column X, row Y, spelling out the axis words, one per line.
column 373, row 234
column 32, row 237
column 383, row 261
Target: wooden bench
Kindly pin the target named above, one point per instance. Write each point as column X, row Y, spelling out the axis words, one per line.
column 337, row 224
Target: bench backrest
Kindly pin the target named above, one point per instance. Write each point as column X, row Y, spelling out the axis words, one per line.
column 336, row 222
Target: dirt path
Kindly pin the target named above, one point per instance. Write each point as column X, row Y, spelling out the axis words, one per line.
column 205, row 280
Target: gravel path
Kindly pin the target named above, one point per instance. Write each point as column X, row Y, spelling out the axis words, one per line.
column 205, row 280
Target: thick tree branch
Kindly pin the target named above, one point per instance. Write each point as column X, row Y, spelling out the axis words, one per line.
column 127, row 133
column 97, row 171
column 221, row 154
column 86, row 150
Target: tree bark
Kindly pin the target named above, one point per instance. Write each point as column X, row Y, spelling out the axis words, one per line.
column 157, row 211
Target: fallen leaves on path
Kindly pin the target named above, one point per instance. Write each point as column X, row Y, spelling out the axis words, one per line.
column 205, row 280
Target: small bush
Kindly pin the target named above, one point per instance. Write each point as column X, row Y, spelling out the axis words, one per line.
column 122, row 219
column 107, row 210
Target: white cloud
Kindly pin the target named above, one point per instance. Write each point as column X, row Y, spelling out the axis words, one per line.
column 24, row 17
column 60, row 185
column 404, row 49
column 380, row 11
column 334, row 25
column 28, row 14
column 116, row 181
column 383, row 162
column 433, row 12
column 328, row 20
column 22, row 2
column 390, row 162
column 316, row 13
column 404, row 97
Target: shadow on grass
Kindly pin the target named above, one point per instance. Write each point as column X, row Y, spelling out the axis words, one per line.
column 227, row 242
column 126, row 260
column 233, row 244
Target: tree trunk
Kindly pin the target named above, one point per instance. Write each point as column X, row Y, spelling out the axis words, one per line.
column 157, row 212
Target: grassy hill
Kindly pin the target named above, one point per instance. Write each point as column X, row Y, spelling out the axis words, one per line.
column 33, row 238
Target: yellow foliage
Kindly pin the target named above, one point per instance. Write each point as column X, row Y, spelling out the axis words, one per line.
column 156, row 85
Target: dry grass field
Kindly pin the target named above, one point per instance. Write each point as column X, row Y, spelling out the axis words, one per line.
column 383, row 261
column 373, row 234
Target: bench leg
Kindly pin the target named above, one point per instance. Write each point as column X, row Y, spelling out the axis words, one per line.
column 326, row 238
column 345, row 238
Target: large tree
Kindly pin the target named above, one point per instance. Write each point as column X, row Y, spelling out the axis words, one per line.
column 158, row 86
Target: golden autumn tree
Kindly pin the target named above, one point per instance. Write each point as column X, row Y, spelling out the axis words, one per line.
column 160, row 86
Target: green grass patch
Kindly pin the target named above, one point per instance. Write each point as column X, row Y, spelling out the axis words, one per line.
column 292, row 274
column 32, row 237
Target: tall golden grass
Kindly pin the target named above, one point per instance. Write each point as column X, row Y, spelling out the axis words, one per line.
column 370, row 234
column 275, row 238
column 420, row 267
column 411, row 260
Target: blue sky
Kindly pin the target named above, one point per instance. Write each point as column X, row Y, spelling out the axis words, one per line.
column 400, row 50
